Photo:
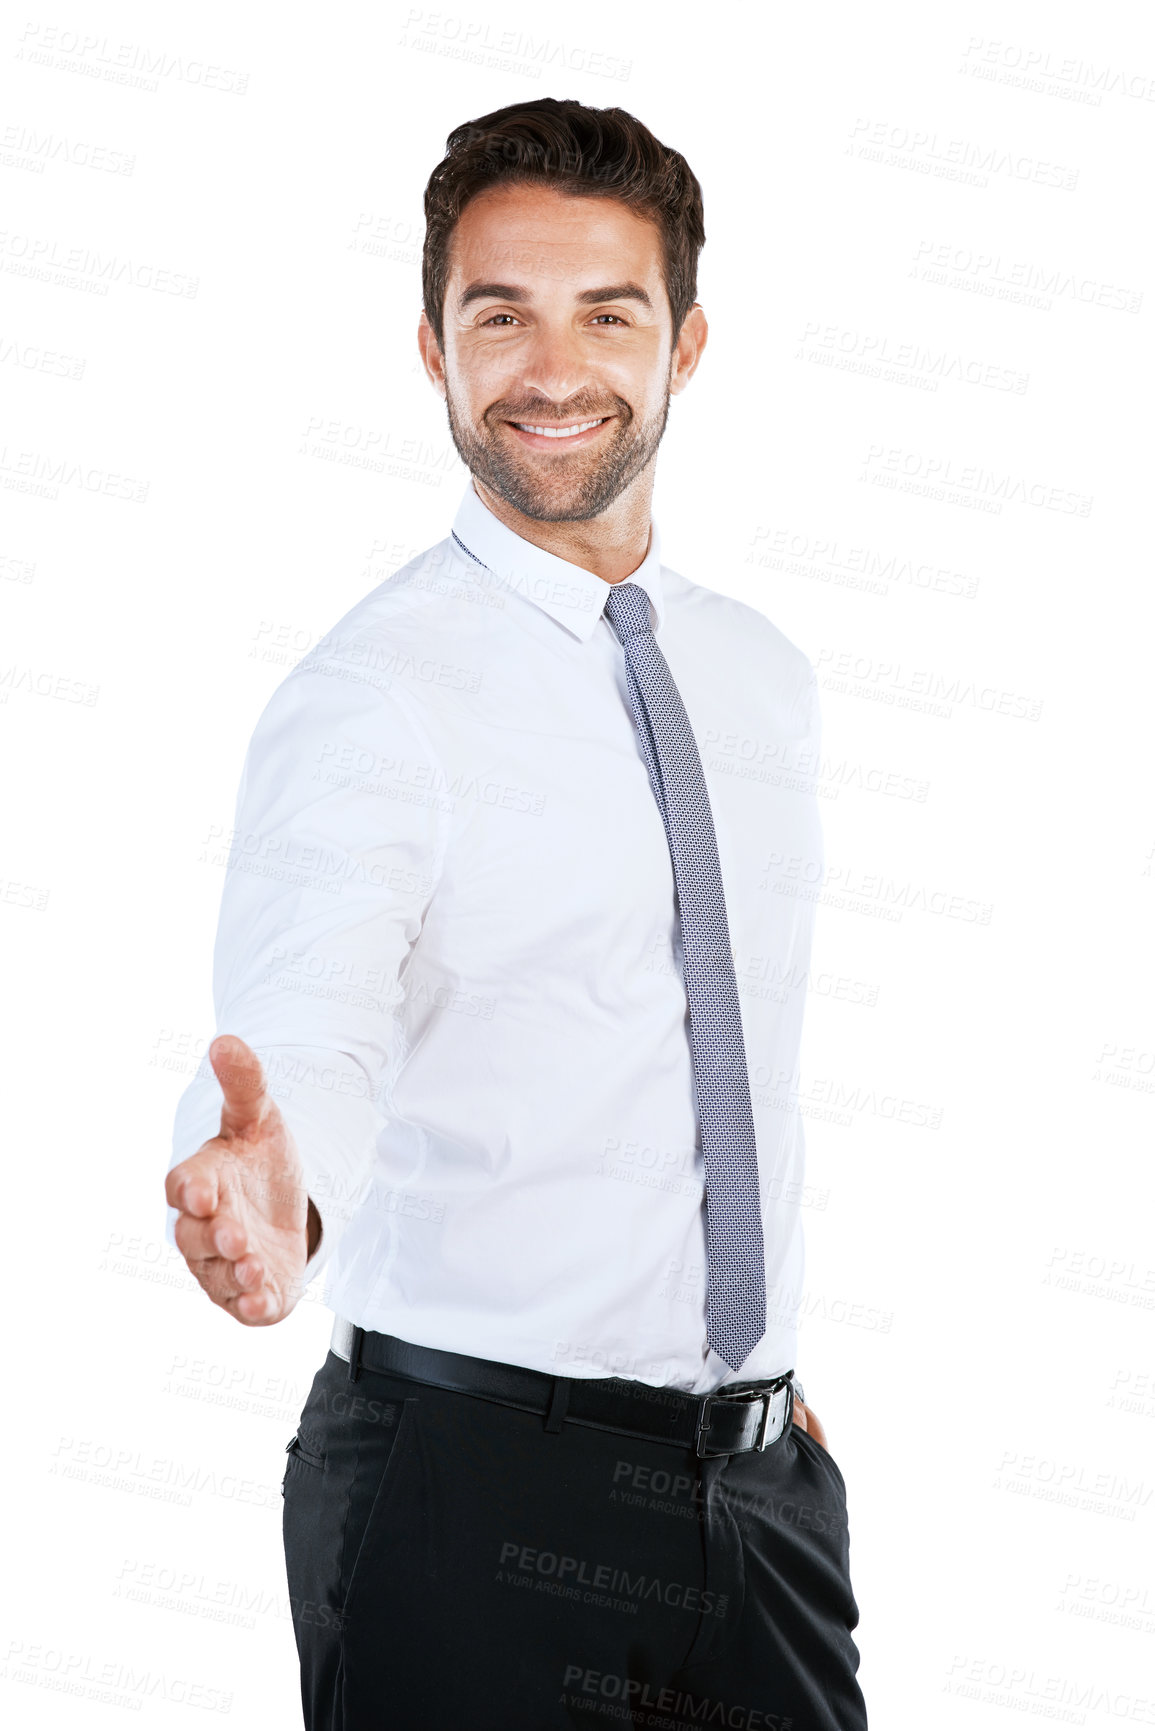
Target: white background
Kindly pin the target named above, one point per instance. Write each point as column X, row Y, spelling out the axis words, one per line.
column 920, row 442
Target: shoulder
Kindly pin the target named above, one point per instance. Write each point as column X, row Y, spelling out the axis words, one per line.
column 377, row 665
column 412, row 607
column 727, row 624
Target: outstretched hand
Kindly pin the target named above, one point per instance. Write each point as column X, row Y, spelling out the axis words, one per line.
column 244, row 1225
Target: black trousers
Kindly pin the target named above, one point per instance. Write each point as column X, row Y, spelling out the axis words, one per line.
column 454, row 1566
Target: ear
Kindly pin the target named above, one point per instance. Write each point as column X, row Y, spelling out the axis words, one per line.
column 432, row 358
column 687, row 351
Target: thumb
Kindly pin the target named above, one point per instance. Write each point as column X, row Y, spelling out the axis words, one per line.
column 238, row 1070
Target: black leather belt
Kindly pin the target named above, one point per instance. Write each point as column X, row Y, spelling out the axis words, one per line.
column 735, row 1418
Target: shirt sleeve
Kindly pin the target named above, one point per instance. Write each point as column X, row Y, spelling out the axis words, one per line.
column 337, row 844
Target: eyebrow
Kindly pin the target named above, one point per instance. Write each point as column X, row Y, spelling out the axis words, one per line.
column 504, row 291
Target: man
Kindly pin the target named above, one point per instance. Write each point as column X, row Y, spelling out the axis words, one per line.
column 502, row 922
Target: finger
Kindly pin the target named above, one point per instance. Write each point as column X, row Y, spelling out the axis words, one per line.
column 263, row 1305
column 225, row 1282
column 249, row 1273
column 194, row 1185
column 222, row 1278
column 242, row 1080
column 254, row 1308
column 219, row 1235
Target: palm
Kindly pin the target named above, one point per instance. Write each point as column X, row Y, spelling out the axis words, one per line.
column 261, row 1191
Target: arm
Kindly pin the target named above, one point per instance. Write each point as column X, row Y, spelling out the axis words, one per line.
column 334, row 855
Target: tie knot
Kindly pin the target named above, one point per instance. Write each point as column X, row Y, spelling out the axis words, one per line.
column 628, row 609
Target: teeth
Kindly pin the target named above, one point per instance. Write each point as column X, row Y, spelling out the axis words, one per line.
column 559, row 432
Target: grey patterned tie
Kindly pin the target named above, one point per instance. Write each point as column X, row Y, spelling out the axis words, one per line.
column 736, row 1267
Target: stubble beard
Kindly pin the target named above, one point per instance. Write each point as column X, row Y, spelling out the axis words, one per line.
column 565, row 488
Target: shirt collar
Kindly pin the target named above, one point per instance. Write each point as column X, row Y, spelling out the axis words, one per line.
column 573, row 596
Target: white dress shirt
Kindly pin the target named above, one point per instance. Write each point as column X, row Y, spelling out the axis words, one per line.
column 448, row 928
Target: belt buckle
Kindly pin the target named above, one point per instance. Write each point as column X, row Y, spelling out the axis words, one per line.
column 748, row 1393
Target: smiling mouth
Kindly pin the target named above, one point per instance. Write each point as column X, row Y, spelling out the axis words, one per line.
column 571, row 430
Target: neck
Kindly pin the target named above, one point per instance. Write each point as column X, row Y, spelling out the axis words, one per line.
column 611, row 545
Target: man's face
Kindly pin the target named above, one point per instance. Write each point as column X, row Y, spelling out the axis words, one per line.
column 556, row 316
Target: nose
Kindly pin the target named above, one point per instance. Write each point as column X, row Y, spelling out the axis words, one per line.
column 553, row 365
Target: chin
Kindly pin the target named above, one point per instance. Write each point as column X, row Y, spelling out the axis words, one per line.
column 553, row 510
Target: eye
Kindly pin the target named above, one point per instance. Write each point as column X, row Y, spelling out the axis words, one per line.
column 613, row 316
column 490, row 321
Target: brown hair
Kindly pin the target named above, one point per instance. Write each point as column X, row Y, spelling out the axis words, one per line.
column 590, row 152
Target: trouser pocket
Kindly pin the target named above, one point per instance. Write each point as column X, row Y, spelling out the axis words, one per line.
column 341, row 1463
column 374, row 1501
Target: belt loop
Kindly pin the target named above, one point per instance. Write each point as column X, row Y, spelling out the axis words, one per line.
column 355, row 1353
column 558, row 1404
